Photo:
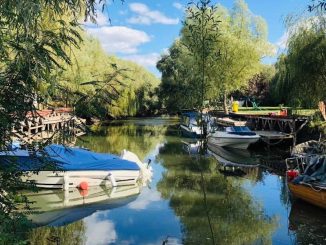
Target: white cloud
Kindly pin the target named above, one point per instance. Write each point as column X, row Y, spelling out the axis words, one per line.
column 145, row 198
column 119, row 39
column 146, row 16
column 101, row 20
column 166, row 51
column 99, row 232
column 283, row 41
column 148, row 60
column 178, row 6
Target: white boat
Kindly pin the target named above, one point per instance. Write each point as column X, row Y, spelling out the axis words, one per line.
column 236, row 137
column 191, row 124
column 60, row 167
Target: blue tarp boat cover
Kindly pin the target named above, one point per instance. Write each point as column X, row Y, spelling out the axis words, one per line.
column 65, row 158
column 315, row 173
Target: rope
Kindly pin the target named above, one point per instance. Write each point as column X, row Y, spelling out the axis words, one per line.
column 313, row 188
column 268, row 143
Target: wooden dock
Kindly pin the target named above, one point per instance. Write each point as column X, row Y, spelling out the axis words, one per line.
column 229, row 122
column 273, row 136
column 277, row 128
column 46, row 124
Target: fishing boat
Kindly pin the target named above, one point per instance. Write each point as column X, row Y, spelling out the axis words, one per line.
column 61, row 167
column 310, row 193
column 236, row 137
column 306, row 178
column 191, row 124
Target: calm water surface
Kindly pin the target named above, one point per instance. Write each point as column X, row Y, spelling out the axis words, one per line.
column 190, row 200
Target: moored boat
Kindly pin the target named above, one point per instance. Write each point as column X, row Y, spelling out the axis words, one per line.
column 190, row 124
column 61, row 167
column 306, row 177
column 236, row 137
column 309, row 193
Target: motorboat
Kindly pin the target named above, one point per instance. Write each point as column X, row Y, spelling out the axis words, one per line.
column 191, row 124
column 236, row 137
column 61, row 167
column 62, row 207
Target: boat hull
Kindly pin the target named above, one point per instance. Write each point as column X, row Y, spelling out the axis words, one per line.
column 71, row 179
column 306, row 193
column 187, row 132
column 234, row 142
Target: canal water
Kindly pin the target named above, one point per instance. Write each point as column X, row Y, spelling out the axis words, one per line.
column 191, row 199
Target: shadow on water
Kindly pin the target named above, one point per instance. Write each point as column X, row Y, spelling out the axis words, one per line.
column 308, row 223
column 193, row 199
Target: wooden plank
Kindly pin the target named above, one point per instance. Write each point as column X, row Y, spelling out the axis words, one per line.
column 273, row 134
column 230, row 122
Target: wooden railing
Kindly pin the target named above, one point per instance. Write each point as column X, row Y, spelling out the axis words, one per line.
column 46, row 124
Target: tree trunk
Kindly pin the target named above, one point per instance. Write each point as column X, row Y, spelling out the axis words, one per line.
column 225, row 105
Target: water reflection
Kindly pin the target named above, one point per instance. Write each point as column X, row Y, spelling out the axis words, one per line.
column 213, row 209
column 58, row 207
column 308, row 223
column 191, row 200
column 137, row 138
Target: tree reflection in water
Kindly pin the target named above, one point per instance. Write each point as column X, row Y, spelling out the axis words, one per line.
column 139, row 139
column 213, row 209
column 72, row 234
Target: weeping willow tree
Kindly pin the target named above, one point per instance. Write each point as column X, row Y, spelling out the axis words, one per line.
column 301, row 73
column 35, row 39
column 317, row 5
column 101, row 85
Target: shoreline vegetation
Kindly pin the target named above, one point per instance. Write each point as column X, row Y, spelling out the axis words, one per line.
column 48, row 60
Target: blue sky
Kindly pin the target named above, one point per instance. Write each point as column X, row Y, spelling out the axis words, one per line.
column 142, row 30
